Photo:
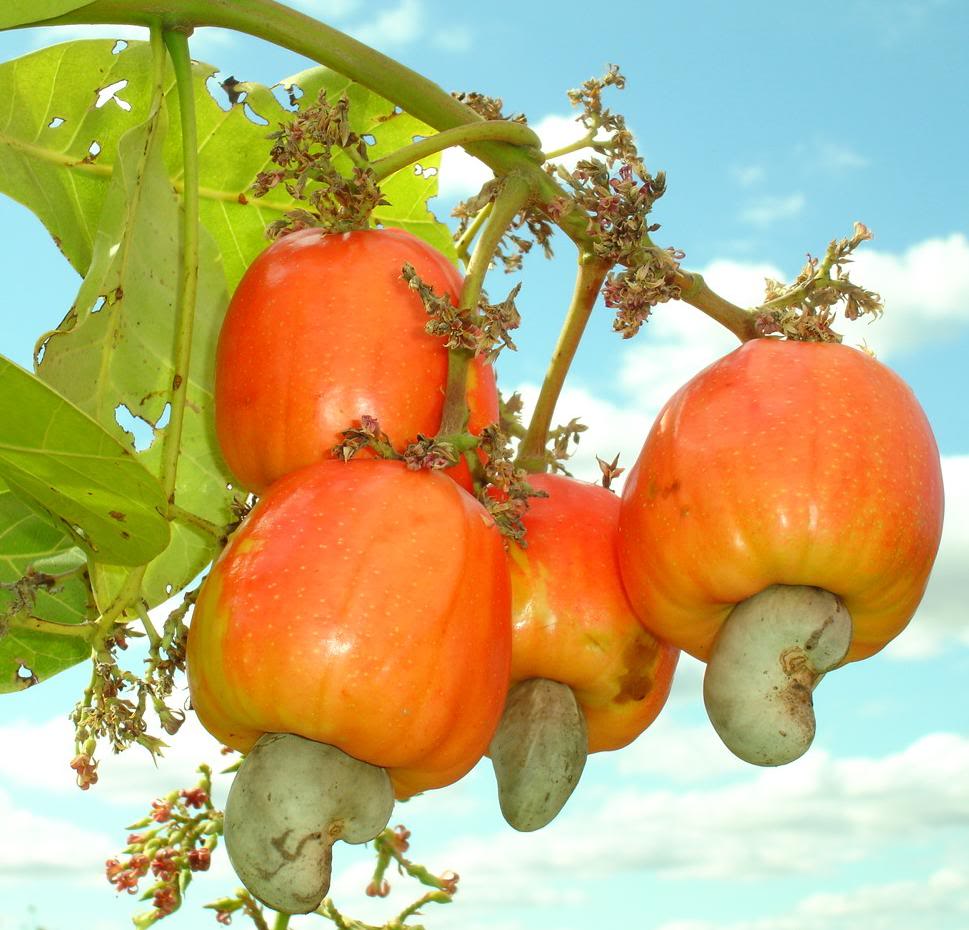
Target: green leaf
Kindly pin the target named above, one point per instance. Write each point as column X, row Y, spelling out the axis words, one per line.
column 60, row 459
column 31, row 542
column 49, row 120
column 22, row 12
column 116, row 347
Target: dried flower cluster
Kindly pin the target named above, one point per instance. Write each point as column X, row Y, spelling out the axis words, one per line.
column 323, row 162
column 805, row 309
column 484, row 331
column 114, row 704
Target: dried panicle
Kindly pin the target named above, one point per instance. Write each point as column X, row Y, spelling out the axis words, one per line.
column 634, row 291
column 486, row 107
column 114, row 705
column 805, row 309
column 366, row 435
column 561, row 439
column 484, row 333
column 322, row 162
column 427, row 452
column 610, row 471
column 510, row 415
column 507, row 492
column 498, row 320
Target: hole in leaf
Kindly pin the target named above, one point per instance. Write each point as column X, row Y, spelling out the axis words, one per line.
column 26, row 676
column 369, row 139
column 111, row 93
column 55, row 122
column 162, row 421
column 284, row 95
column 138, row 429
column 169, row 589
column 217, row 85
column 427, row 172
column 254, row 116
column 94, row 149
column 228, row 487
column 119, row 47
column 99, row 304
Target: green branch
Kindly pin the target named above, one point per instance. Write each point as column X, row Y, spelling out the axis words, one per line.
column 177, row 44
column 592, row 272
column 490, row 130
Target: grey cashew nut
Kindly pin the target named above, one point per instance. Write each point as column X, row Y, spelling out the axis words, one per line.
column 766, row 660
column 291, row 799
column 538, row 752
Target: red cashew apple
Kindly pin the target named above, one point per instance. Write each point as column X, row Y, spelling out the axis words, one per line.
column 323, row 330
column 362, row 608
column 804, row 470
column 587, row 676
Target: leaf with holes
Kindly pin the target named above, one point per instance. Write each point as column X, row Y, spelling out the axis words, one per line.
column 66, row 108
column 41, row 577
column 21, row 12
column 115, row 349
column 58, row 458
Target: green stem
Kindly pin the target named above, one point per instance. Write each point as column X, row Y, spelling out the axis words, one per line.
column 592, row 272
column 84, row 631
column 150, row 630
column 281, row 922
column 696, row 292
column 576, row 146
column 512, row 197
column 412, row 92
column 467, row 237
column 490, row 130
column 217, row 532
column 177, row 44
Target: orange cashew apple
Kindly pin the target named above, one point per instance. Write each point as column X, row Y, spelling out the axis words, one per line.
column 800, row 481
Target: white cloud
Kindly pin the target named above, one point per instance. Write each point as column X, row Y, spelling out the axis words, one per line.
column 833, row 156
column 34, row 846
column 398, row 25
column 940, row 900
column 327, row 10
column 925, row 290
column 805, row 818
column 765, row 211
column 128, row 778
column 452, row 38
column 748, row 175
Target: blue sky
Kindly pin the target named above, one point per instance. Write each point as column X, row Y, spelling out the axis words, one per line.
column 778, row 126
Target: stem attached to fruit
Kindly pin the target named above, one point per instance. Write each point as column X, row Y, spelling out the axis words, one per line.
column 769, row 655
column 291, row 799
column 538, row 752
column 592, row 272
column 514, row 193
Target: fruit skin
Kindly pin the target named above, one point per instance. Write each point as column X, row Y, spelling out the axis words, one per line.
column 783, row 463
column 322, row 330
column 572, row 621
column 361, row 605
